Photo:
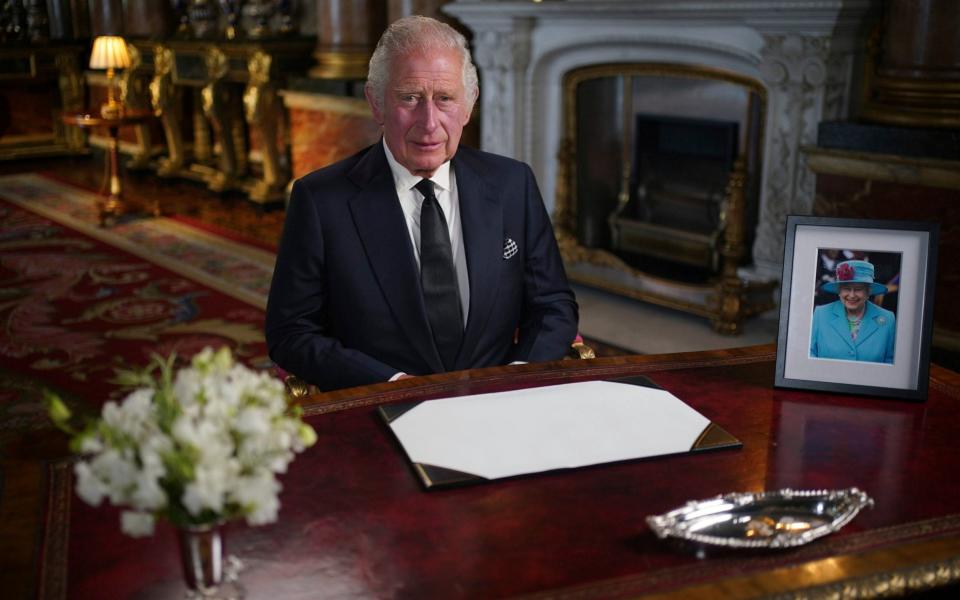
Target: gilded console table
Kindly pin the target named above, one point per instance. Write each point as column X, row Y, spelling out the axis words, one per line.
column 233, row 85
column 37, row 86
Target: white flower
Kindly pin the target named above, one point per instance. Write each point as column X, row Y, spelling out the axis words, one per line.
column 186, row 387
column 117, row 471
column 252, row 420
column 204, row 442
column 152, row 449
column 89, row 486
column 209, row 488
column 90, row 444
column 147, row 493
column 258, row 494
column 136, row 524
column 133, row 416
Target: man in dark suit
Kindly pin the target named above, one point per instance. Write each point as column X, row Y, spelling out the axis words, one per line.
column 415, row 255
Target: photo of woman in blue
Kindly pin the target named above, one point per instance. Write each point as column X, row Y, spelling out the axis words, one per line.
column 852, row 327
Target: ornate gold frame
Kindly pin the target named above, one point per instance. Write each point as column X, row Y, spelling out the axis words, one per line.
column 725, row 301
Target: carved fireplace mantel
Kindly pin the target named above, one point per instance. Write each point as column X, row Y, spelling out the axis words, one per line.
column 800, row 51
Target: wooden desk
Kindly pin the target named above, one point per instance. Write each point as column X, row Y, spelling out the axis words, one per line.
column 113, row 206
column 355, row 522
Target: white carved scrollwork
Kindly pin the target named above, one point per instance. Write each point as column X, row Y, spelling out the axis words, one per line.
column 795, row 68
column 502, row 54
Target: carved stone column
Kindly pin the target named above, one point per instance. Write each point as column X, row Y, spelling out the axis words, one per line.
column 502, row 52
column 347, row 32
column 806, row 84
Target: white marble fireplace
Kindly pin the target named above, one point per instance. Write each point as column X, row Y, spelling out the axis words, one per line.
column 801, row 51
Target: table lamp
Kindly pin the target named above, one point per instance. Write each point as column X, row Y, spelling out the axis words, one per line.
column 110, row 52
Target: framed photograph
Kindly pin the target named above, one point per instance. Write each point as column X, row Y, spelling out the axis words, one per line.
column 856, row 306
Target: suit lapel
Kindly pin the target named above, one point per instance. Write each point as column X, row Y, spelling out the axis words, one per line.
column 839, row 323
column 481, row 219
column 869, row 325
column 379, row 221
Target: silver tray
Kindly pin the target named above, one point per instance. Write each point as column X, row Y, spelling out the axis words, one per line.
column 777, row 519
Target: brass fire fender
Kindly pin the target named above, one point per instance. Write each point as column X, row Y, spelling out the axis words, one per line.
column 727, row 300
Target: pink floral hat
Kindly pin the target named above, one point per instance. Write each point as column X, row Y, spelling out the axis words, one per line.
column 855, row 271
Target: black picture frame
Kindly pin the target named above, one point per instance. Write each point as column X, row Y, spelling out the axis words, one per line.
column 911, row 247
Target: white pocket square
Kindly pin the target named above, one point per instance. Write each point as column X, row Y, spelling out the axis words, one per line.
column 509, row 249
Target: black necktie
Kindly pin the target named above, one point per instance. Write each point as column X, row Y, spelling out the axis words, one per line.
column 439, row 278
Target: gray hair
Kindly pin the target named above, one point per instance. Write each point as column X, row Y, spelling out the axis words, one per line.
column 418, row 34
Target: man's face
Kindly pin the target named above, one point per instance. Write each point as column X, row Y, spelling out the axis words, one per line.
column 854, row 296
column 424, row 109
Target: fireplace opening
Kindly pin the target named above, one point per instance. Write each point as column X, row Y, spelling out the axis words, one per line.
column 655, row 147
column 658, row 185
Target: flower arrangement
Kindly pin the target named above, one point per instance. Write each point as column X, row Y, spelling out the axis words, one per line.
column 197, row 447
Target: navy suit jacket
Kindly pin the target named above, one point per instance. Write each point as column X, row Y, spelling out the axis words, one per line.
column 346, row 307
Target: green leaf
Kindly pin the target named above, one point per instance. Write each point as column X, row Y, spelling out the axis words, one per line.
column 56, row 408
column 307, row 435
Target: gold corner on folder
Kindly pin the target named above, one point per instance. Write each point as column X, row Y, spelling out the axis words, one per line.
column 714, row 436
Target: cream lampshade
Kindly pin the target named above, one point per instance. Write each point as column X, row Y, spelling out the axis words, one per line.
column 110, row 52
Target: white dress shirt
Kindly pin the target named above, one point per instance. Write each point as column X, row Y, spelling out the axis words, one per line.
column 411, row 202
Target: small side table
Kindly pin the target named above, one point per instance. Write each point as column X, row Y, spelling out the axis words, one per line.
column 113, row 206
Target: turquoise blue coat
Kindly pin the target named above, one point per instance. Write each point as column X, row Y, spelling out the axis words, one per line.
column 831, row 336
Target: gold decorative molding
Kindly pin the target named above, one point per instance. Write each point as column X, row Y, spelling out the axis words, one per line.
column 341, row 64
column 928, row 172
column 893, row 584
column 56, row 533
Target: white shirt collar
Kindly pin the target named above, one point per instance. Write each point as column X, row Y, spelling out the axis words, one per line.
column 404, row 180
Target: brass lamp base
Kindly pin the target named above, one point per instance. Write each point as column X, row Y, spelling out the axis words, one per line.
column 111, row 110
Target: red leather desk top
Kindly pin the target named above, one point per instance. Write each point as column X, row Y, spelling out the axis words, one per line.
column 355, row 521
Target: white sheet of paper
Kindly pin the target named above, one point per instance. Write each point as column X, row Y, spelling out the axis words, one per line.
column 554, row 427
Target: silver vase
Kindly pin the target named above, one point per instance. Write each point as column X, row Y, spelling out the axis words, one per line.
column 205, row 572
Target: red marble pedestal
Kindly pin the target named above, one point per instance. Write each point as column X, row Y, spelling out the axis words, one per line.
column 325, row 129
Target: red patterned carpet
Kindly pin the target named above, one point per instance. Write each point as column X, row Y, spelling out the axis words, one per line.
column 78, row 301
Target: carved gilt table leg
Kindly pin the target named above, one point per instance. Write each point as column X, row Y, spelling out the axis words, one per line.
column 239, row 131
column 259, row 101
column 216, row 106
column 71, row 92
column 202, row 145
column 132, row 96
column 165, row 100
column 731, row 304
column 113, row 207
